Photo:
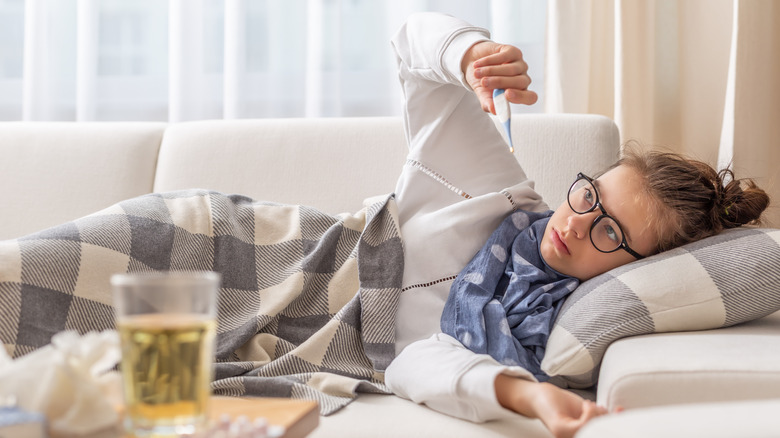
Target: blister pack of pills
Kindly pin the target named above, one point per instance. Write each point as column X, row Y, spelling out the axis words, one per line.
column 241, row 427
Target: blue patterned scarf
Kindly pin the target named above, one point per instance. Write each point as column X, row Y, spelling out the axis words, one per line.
column 505, row 300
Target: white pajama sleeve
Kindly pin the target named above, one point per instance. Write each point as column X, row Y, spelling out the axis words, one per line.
column 445, row 376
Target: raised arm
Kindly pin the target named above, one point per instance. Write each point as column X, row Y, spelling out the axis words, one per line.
column 446, row 127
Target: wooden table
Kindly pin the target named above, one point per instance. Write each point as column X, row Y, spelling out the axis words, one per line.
column 298, row 417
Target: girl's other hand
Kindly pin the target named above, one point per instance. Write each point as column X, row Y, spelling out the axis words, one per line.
column 562, row 411
column 488, row 65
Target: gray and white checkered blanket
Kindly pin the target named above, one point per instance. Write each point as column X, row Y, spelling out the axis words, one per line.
column 307, row 302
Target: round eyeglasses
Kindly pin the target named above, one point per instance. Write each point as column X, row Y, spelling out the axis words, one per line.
column 606, row 235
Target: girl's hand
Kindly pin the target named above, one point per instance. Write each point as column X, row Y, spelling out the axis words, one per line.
column 563, row 412
column 488, row 65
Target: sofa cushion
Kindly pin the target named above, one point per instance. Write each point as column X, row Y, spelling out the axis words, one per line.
column 389, row 416
column 716, row 282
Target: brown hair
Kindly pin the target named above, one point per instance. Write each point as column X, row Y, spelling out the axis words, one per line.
column 692, row 200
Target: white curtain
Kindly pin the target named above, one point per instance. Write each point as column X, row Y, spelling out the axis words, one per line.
column 178, row 60
column 701, row 77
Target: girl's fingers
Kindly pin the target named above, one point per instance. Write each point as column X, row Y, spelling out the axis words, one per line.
column 527, row 97
column 591, row 410
column 510, row 69
column 516, row 89
column 486, row 100
column 504, row 55
column 521, row 82
column 588, row 410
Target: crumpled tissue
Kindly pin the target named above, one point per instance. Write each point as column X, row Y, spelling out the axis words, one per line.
column 69, row 381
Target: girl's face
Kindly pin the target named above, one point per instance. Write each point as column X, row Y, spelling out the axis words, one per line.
column 566, row 245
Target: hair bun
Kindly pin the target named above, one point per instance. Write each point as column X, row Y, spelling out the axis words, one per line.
column 737, row 205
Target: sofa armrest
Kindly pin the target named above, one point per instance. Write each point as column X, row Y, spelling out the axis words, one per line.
column 747, row 419
column 741, row 362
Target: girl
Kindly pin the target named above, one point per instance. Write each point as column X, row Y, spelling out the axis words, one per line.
column 459, row 182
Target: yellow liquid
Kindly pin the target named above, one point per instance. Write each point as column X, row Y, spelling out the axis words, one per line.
column 167, row 368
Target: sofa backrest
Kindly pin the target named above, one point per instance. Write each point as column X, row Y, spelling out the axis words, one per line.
column 54, row 172
column 328, row 163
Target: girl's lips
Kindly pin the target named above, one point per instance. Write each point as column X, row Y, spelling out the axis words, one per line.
column 558, row 242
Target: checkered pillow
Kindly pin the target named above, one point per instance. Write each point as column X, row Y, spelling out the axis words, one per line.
column 720, row 281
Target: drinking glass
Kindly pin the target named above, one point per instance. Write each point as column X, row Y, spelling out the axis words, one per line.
column 167, row 325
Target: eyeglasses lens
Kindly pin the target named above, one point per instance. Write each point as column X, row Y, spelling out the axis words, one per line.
column 582, row 196
column 606, row 234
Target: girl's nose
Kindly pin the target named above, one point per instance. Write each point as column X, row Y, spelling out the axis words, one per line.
column 579, row 224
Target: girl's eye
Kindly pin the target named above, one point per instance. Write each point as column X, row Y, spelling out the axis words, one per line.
column 588, row 196
column 611, row 233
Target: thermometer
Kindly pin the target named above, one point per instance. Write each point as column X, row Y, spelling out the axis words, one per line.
column 504, row 114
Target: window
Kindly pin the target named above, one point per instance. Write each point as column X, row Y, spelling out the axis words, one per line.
column 169, row 60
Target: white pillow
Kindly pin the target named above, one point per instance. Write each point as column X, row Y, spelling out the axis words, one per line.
column 716, row 282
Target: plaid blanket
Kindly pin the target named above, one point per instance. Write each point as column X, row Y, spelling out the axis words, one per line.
column 307, row 302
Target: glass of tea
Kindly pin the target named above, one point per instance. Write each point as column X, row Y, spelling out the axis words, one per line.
column 167, row 324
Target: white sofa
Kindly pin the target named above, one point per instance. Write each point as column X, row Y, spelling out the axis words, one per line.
column 725, row 382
